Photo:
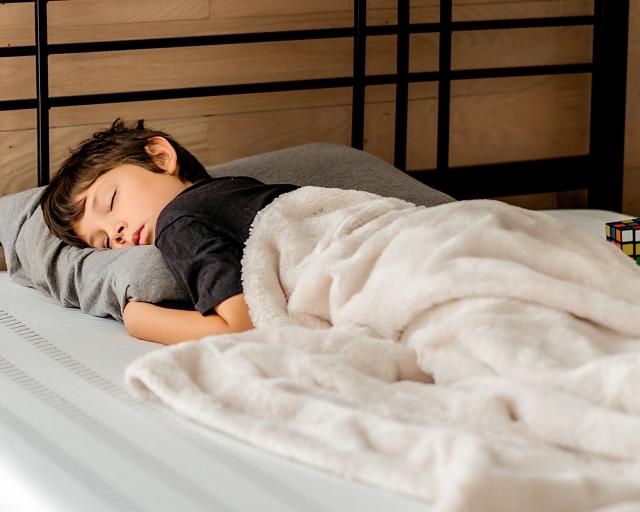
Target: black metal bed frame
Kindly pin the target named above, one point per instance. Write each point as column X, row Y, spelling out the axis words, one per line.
column 600, row 171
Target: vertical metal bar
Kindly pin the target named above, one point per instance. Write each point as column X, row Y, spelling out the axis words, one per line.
column 402, row 85
column 608, row 104
column 42, row 90
column 359, row 70
column 444, row 86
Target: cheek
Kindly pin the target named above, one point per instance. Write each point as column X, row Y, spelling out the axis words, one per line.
column 81, row 229
column 160, row 200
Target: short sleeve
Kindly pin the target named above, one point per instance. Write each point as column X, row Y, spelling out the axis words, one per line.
column 202, row 257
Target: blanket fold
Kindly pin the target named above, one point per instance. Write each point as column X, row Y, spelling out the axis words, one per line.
column 474, row 355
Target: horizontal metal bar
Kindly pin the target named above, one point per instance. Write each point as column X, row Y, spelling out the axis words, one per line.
column 560, row 21
column 208, row 40
column 462, row 26
column 18, row 51
column 389, row 79
column 469, row 74
column 381, row 30
column 195, row 92
column 291, row 85
column 215, row 40
column 188, row 92
column 551, row 69
column 18, row 104
column 174, row 42
column 287, row 35
column 512, row 178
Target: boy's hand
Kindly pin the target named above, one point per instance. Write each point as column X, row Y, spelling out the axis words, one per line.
column 167, row 326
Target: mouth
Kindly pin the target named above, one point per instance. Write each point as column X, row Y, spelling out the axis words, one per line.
column 143, row 236
column 135, row 238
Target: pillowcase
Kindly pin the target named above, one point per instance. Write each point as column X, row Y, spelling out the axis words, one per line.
column 101, row 282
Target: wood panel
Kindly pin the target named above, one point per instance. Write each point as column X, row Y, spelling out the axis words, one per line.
column 17, row 78
column 245, row 134
column 185, row 67
column 527, row 47
column 481, row 10
column 16, row 25
column 95, row 19
column 17, row 159
column 96, row 14
column 541, row 120
column 380, row 119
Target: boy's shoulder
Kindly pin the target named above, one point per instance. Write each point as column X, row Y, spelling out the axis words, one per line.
column 222, row 182
column 211, row 185
column 205, row 195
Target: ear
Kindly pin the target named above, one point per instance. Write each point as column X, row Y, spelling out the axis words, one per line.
column 163, row 154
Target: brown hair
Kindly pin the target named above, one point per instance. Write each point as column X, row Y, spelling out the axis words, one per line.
column 120, row 144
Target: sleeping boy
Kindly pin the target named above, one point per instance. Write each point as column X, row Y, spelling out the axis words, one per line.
column 129, row 185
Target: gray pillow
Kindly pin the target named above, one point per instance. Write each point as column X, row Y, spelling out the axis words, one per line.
column 332, row 165
column 101, row 282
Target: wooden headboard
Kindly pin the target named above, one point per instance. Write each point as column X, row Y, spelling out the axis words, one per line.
column 433, row 49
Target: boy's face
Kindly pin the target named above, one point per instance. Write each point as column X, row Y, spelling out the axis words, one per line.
column 122, row 206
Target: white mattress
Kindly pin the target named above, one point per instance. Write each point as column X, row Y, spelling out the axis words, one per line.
column 73, row 439
column 589, row 220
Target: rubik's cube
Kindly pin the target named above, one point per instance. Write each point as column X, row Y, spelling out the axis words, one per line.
column 626, row 235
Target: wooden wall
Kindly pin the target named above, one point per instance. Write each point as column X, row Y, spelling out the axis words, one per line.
column 492, row 120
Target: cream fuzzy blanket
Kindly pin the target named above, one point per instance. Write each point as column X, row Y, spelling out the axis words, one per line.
column 473, row 355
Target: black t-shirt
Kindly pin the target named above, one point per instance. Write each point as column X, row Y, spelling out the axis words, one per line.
column 201, row 234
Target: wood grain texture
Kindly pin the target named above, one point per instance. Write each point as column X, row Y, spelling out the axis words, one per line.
column 16, row 24
column 17, row 161
column 192, row 67
column 241, row 135
column 543, row 120
column 380, row 118
column 17, row 78
column 527, row 47
column 631, row 199
column 481, row 10
column 71, row 13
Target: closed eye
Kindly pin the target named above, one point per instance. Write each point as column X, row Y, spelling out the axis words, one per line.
column 113, row 197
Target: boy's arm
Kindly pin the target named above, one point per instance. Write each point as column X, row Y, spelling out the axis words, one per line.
column 167, row 326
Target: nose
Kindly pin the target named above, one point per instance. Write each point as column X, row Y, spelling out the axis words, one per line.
column 118, row 235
